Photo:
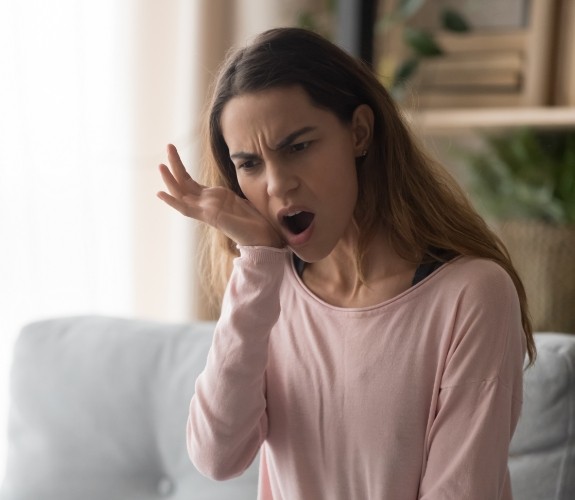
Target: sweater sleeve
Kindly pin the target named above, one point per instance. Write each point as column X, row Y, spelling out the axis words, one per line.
column 227, row 421
column 480, row 395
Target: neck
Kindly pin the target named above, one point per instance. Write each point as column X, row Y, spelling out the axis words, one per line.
column 337, row 280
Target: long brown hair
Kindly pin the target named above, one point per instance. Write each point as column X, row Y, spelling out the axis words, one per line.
column 401, row 189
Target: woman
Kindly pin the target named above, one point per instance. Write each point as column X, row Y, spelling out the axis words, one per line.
column 373, row 329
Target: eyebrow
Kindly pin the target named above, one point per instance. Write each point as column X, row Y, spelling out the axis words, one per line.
column 292, row 137
column 288, row 139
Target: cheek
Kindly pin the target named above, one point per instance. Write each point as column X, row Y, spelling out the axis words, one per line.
column 252, row 192
column 347, row 184
column 347, row 172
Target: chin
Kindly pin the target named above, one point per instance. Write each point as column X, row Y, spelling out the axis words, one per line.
column 311, row 255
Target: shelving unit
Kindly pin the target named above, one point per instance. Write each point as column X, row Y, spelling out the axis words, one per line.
column 548, row 81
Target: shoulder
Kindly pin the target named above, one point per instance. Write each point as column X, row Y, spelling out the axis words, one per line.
column 477, row 278
column 486, row 339
column 476, row 267
column 479, row 301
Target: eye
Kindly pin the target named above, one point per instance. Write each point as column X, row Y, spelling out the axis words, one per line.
column 247, row 165
column 300, row 146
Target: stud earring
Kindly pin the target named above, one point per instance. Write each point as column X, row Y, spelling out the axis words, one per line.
column 364, row 153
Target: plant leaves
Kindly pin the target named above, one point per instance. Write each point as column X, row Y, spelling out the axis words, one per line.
column 422, row 42
column 404, row 71
column 527, row 174
column 565, row 189
column 451, row 20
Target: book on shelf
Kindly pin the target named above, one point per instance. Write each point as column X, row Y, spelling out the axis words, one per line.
column 426, row 99
column 480, row 41
column 498, row 78
column 478, row 61
column 491, row 73
column 470, row 80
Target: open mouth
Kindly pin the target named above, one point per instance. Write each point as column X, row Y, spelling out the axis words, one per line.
column 298, row 222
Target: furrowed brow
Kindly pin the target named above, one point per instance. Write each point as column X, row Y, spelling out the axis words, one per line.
column 286, row 141
column 240, row 155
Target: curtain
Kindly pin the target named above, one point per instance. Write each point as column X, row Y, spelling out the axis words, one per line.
column 90, row 94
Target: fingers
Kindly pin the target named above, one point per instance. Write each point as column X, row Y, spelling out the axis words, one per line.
column 184, row 192
column 186, row 206
column 179, row 175
column 178, row 168
column 170, row 182
column 174, row 203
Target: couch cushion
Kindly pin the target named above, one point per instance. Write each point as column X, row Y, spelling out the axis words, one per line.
column 98, row 412
column 542, row 453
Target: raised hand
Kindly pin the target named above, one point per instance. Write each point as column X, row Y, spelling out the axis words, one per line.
column 217, row 206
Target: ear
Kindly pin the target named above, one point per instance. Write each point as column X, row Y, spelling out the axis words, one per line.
column 362, row 129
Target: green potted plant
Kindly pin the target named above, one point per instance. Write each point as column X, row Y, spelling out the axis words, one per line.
column 524, row 180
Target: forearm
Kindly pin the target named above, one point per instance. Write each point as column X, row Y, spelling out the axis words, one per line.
column 227, row 421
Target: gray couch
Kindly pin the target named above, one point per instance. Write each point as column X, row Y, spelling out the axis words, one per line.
column 99, row 406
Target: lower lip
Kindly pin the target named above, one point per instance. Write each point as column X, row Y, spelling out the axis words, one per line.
column 297, row 240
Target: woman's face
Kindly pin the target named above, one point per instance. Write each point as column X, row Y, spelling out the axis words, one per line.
column 295, row 163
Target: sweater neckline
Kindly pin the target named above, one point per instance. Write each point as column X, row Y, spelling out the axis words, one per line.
column 302, row 288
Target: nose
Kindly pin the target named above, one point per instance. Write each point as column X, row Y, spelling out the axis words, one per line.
column 280, row 179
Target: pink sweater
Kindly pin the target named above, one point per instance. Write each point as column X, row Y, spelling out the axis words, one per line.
column 414, row 398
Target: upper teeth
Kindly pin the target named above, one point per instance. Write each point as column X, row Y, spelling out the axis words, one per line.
column 295, row 212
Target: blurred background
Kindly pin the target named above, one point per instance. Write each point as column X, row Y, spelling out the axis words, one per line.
column 91, row 92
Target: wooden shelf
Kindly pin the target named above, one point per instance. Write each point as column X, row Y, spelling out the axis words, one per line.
column 456, row 121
